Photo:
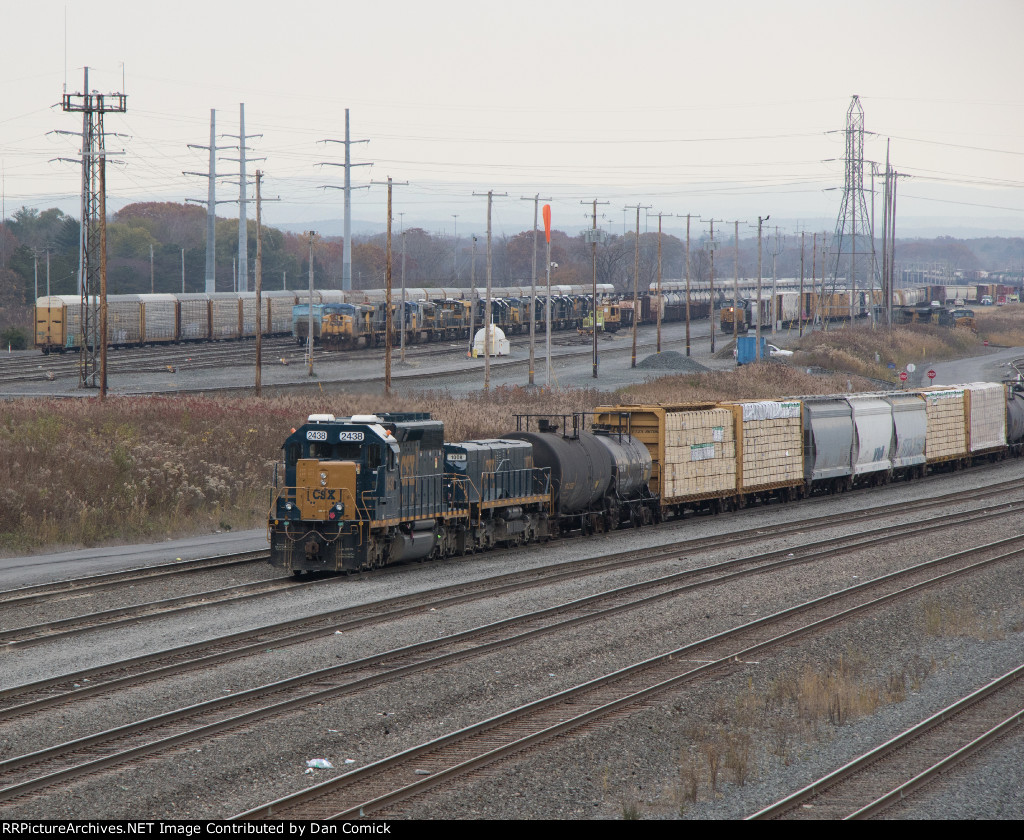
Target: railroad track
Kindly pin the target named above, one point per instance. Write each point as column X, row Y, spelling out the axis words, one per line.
column 110, row 580
column 385, row 783
column 58, row 764
column 60, row 630
column 33, row 697
column 888, row 774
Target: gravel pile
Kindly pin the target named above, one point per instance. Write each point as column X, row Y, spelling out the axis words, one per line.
column 671, row 360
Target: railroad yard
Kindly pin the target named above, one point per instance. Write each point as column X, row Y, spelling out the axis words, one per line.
column 704, row 668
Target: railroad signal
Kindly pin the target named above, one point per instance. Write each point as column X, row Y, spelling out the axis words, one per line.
column 903, row 376
column 931, row 374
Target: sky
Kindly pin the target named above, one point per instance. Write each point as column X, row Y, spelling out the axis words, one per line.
column 727, row 110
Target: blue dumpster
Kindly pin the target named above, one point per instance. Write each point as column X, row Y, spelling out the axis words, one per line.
column 746, row 349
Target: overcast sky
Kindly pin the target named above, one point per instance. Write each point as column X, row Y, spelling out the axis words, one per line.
column 726, row 110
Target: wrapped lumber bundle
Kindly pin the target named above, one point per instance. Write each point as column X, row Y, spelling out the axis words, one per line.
column 947, row 427
column 986, row 416
column 700, row 451
column 770, row 444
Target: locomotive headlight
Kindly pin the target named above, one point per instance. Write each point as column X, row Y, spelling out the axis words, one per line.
column 288, row 506
column 323, row 479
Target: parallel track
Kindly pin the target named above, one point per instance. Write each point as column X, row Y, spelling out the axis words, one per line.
column 104, row 679
column 86, row 755
column 888, row 774
column 383, row 784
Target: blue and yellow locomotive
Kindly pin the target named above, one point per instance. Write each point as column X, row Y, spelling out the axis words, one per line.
column 371, row 490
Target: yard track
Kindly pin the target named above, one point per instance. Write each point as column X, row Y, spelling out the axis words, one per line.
column 26, row 774
column 884, row 777
column 385, row 783
column 104, row 679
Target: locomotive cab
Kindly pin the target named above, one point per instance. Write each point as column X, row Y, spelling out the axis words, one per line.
column 359, row 492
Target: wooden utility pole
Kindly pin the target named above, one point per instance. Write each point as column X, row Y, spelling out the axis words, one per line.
column 309, row 337
column 389, row 323
column 152, row 274
column 800, row 300
column 547, row 301
column 757, row 333
column 593, row 235
column 533, row 280
column 488, row 329
column 660, row 299
column 688, row 284
column 712, row 283
column 636, row 279
column 736, row 286
column 259, row 285
column 103, row 274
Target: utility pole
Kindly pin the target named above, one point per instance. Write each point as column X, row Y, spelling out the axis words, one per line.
column 488, row 329
column 92, row 243
column 688, row 283
column 152, row 276
column 258, row 282
column 736, row 285
column 455, row 250
column 47, row 272
column 243, row 185
column 712, row 283
column 593, row 236
column 533, row 282
column 547, row 301
column 775, row 297
column 103, row 278
column 636, row 280
column 312, row 235
column 814, row 278
column 886, row 287
column 346, row 255
column 183, row 271
column 757, row 350
column 660, row 300
column 389, row 326
column 401, row 321
column 800, row 300
column 211, row 203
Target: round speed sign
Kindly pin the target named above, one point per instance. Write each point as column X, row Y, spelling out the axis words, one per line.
column 931, row 374
column 903, row 376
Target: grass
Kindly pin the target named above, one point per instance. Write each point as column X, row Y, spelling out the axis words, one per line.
column 1001, row 326
column 81, row 472
column 868, row 352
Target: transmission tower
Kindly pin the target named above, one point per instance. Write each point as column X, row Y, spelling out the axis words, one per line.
column 850, row 254
column 211, row 203
column 346, row 254
column 243, row 185
column 92, row 262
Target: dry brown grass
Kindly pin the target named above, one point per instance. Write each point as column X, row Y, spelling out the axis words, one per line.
column 768, row 380
column 81, row 472
column 1001, row 326
column 957, row 617
column 868, row 352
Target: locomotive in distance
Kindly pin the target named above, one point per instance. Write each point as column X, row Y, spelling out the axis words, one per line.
column 366, row 491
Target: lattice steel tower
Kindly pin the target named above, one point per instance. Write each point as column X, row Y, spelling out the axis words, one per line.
column 850, row 254
column 92, row 263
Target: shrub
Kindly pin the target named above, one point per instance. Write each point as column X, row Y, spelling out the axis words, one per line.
column 14, row 337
